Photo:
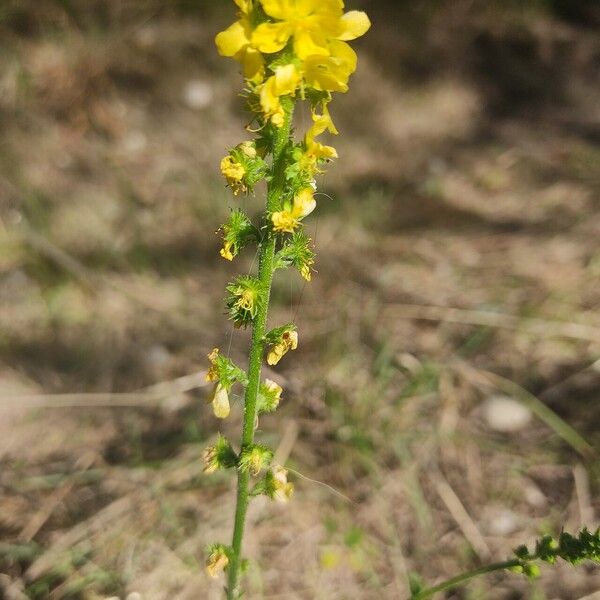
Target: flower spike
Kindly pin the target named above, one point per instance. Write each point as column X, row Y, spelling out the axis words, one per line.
column 290, row 51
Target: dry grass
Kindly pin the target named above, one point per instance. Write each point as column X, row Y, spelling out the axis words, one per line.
column 459, row 241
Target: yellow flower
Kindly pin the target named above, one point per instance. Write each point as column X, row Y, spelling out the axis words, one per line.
column 284, row 221
column 282, row 489
column 283, row 83
column 305, row 271
column 235, row 42
column 309, row 22
column 355, row 24
column 220, row 402
column 330, row 73
column 234, row 173
column 246, row 300
column 217, row 562
column 255, row 459
column 315, row 151
column 226, row 251
column 289, row 341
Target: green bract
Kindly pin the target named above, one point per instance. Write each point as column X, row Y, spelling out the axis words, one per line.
column 246, row 297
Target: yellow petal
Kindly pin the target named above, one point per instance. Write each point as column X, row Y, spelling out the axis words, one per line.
column 330, row 124
column 355, row 24
column 232, row 40
column 286, row 80
column 307, row 43
column 326, row 74
column 293, row 339
column 279, row 9
column 273, row 357
column 269, row 100
column 344, row 53
column 284, row 221
column 221, row 402
column 271, row 37
column 244, row 5
column 278, row 118
column 304, row 204
column 305, row 272
column 254, row 65
column 216, row 564
column 325, row 152
column 226, row 251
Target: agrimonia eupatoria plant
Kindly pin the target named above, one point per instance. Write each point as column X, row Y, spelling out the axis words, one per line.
column 290, row 51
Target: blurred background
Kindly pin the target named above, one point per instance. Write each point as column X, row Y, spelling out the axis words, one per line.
column 443, row 405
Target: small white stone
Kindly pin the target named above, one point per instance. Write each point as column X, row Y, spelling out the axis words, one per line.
column 157, row 356
column 409, row 362
column 134, row 596
column 503, row 522
column 146, row 37
column 534, row 496
column 134, row 142
column 198, row 94
column 506, row 414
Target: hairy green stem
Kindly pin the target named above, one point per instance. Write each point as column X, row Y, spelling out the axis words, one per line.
column 265, row 276
column 459, row 579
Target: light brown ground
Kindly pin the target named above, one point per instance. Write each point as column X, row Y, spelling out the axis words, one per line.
column 469, row 178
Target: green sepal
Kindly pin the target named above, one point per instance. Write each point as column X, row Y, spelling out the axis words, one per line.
column 227, row 373
column 255, row 458
column 416, row 584
column 246, row 296
column 268, row 398
column 220, row 456
column 255, row 167
column 275, row 335
column 238, row 232
column 297, row 252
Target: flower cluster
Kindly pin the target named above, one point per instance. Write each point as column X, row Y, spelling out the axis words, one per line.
column 290, row 51
column 293, row 46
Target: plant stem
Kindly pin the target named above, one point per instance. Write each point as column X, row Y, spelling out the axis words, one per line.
column 265, row 276
column 459, row 579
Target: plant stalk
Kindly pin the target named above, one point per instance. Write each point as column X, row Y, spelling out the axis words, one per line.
column 265, row 276
column 459, row 579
